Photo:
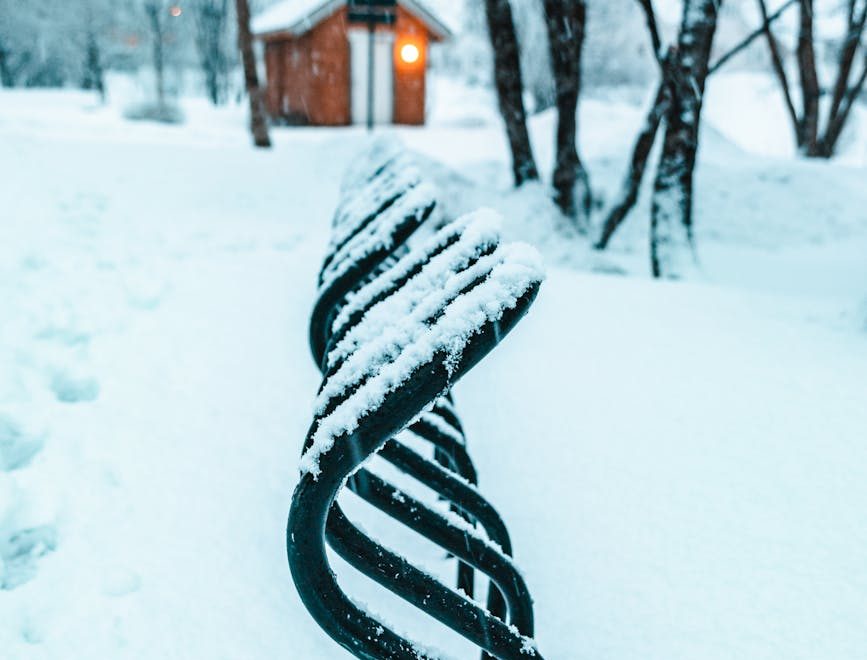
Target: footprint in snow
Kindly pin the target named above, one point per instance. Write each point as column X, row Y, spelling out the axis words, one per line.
column 33, row 262
column 69, row 388
column 118, row 581
column 20, row 553
column 32, row 631
column 143, row 291
column 84, row 212
column 287, row 245
column 608, row 268
column 17, row 446
column 241, row 247
column 63, row 335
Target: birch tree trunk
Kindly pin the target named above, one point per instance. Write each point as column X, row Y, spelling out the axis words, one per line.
column 507, row 76
column 672, row 252
column 565, row 20
column 258, row 120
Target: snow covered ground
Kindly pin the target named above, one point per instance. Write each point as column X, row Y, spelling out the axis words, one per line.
column 681, row 465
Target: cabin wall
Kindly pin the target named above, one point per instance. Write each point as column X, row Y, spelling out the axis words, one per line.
column 328, row 68
column 308, row 76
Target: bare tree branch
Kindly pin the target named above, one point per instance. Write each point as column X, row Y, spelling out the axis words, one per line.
column 835, row 128
column 637, row 167
column 780, row 71
column 755, row 34
column 653, row 29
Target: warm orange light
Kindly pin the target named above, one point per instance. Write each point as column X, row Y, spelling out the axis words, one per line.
column 175, row 11
column 409, row 53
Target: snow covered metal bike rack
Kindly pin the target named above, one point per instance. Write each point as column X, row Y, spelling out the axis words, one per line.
column 398, row 320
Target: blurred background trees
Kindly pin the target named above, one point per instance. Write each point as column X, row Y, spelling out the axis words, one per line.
column 53, row 43
column 212, row 20
column 534, row 56
column 829, row 39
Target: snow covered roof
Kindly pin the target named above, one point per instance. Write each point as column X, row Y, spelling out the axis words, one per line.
column 298, row 16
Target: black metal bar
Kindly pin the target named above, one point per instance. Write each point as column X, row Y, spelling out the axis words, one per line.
column 315, row 497
column 502, row 630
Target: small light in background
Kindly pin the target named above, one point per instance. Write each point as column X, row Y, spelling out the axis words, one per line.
column 175, row 11
column 409, row 53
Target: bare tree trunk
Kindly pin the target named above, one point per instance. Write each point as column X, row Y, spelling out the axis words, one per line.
column 155, row 18
column 671, row 238
column 637, row 166
column 566, row 20
column 6, row 77
column 258, row 121
column 809, row 127
column 507, row 75
column 752, row 36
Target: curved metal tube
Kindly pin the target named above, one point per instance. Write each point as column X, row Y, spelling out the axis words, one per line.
column 315, row 516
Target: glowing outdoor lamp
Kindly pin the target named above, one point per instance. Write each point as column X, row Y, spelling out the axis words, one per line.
column 410, row 53
column 175, row 11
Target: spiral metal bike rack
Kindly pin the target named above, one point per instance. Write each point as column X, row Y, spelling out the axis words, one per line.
column 407, row 305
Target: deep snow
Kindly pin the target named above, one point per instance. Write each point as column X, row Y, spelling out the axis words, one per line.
column 680, row 465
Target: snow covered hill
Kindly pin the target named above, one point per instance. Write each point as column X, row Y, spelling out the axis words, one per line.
column 680, row 465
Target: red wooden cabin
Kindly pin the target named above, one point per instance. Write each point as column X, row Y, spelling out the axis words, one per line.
column 317, row 63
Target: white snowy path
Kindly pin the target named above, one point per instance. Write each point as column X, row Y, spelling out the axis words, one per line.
column 681, row 466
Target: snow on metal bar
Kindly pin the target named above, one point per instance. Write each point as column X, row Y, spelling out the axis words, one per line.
column 370, row 164
column 403, row 215
column 365, row 202
column 393, row 329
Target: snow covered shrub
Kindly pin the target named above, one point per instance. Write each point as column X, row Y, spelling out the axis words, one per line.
column 164, row 113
